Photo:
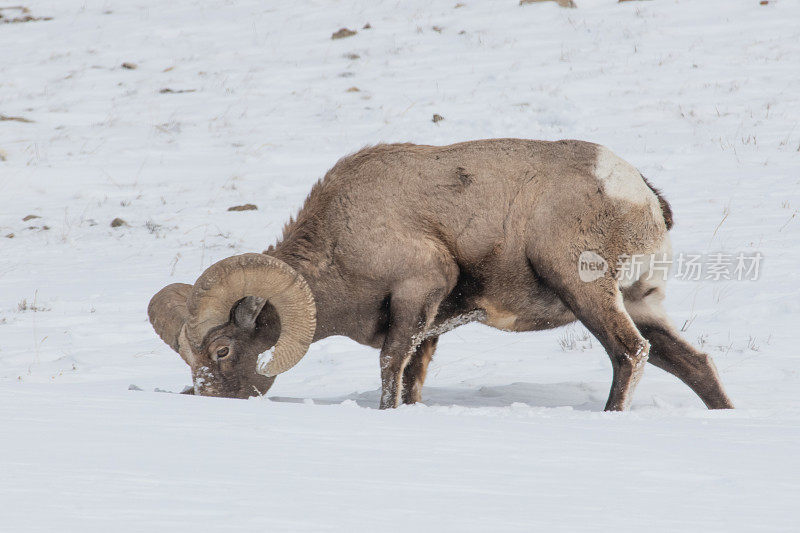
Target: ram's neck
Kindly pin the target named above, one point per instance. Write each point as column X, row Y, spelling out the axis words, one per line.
column 319, row 272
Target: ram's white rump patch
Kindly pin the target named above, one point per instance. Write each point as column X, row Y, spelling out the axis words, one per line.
column 620, row 179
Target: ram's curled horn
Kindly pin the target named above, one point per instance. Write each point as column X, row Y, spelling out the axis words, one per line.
column 168, row 312
column 226, row 282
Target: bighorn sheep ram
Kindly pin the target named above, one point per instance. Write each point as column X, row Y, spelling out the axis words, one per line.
column 399, row 243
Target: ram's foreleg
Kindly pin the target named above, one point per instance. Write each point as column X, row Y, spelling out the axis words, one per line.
column 416, row 369
column 413, row 307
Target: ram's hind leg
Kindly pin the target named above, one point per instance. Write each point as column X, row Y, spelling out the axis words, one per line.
column 695, row 368
column 416, row 369
column 668, row 351
column 599, row 306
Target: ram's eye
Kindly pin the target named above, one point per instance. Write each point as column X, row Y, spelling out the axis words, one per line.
column 223, row 352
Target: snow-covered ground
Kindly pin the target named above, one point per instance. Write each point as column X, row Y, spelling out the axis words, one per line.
column 250, row 101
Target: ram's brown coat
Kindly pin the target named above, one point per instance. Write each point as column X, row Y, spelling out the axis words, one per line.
column 400, row 242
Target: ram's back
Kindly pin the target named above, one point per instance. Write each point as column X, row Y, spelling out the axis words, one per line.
column 467, row 201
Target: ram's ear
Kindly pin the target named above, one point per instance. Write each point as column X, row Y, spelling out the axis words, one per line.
column 245, row 312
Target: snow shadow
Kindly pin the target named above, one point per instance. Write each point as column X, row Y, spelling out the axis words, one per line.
column 579, row 396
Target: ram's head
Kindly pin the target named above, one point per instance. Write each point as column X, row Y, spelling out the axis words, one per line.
column 239, row 308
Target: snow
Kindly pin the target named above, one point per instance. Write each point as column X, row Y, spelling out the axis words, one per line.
column 699, row 96
column 264, row 361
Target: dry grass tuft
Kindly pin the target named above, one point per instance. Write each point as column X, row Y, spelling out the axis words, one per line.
column 23, row 11
column 14, row 119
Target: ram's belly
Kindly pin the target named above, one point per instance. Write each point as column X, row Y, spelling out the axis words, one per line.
column 531, row 315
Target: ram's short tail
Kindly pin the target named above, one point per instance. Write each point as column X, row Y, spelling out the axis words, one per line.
column 666, row 210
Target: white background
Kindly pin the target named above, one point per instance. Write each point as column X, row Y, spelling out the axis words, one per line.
column 701, row 96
